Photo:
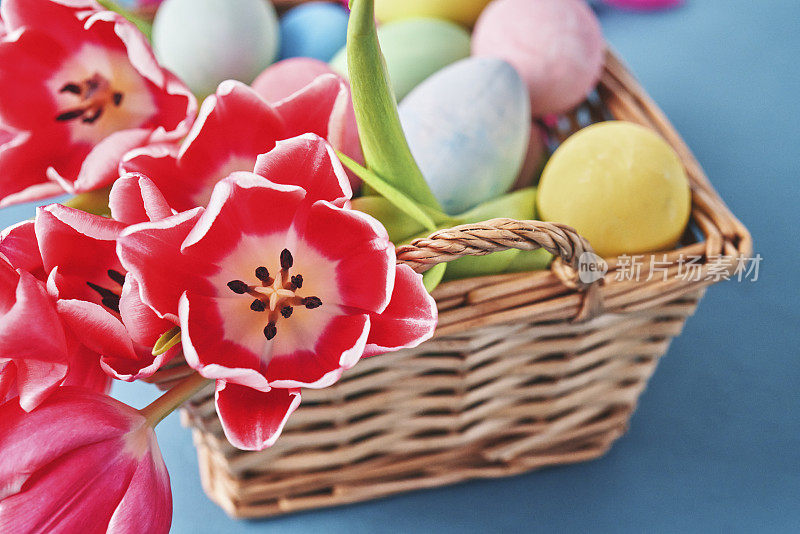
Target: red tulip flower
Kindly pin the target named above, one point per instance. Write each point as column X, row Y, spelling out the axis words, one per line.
column 277, row 285
column 81, row 462
column 79, row 87
column 234, row 127
column 75, row 254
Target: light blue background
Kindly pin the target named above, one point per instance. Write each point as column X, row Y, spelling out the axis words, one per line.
column 715, row 444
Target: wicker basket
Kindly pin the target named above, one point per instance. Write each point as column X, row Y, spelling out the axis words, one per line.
column 526, row 370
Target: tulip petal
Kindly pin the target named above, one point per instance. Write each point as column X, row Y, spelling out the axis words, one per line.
column 147, row 504
column 81, row 246
column 99, row 167
column 71, row 418
column 253, row 420
column 359, row 244
column 243, row 205
column 151, row 252
column 81, row 462
column 307, row 161
column 18, row 244
column 337, row 348
column 324, row 107
column 142, row 323
column 234, row 354
column 136, row 199
column 33, row 314
column 409, row 319
column 234, row 126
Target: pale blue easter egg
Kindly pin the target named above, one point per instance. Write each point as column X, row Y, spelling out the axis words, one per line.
column 414, row 49
column 317, row 30
column 205, row 42
column 469, row 128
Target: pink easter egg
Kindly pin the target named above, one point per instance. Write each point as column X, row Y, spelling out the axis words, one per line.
column 556, row 46
column 288, row 76
column 645, row 5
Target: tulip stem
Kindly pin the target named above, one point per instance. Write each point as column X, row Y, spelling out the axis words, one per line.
column 156, row 411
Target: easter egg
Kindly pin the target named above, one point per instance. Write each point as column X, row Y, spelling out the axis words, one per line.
column 286, row 77
column 468, row 127
column 556, row 45
column 414, row 49
column 462, row 11
column 619, row 185
column 205, row 42
column 315, row 29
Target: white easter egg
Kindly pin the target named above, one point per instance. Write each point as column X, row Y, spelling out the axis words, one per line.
column 469, row 127
column 205, row 42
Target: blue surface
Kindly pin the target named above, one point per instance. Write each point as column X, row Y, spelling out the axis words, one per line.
column 715, row 444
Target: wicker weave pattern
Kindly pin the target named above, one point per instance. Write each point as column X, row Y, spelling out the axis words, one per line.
column 516, row 378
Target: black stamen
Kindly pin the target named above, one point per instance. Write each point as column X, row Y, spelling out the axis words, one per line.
column 262, row 273
column 111, row 304
column 108, row 298
column 238, row 287
column 297, row 281
column 91, row 119
column 258, row 305
column 116, row 276
column 286, row 259
column 117, row 99
column 71, row 88
column 270, row 331
column 69, row 115
column 312, row 302
column 286, row 311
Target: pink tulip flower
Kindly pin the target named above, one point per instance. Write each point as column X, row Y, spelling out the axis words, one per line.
column 235, row 126
column 79, row 88
column 277, row 285
column 81, row 462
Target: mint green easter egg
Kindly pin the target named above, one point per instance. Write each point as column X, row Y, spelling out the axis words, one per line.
column 205, row 42
column 414, row 49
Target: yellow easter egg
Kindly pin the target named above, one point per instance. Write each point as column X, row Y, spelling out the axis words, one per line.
column 462, row 11
column 619, row 185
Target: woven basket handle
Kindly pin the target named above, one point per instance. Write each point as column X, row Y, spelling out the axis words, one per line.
column 496, row 235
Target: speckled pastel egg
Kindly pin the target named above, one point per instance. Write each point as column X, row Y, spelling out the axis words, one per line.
column 286, row 77
column 205, row 42
column 462, row 11
column 316, row 29
column 556, row 45
column 468, row 127
column 620, row 185
column 414, row 49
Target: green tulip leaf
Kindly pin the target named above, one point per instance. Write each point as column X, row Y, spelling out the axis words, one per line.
column 530, row 260
column 434, row 276
column 383, row 142
column 144, row 26
column 429, row 218
column 399, row 225
column 519, row 205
